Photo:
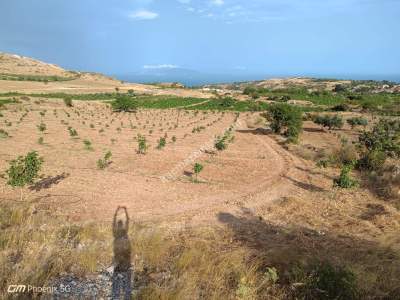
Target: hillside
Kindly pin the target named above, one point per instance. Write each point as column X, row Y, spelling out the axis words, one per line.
column 20, row 65
column 27, row 75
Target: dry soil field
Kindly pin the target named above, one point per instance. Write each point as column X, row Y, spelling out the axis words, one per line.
column 158, row 185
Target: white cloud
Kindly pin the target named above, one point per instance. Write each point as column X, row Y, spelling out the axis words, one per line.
column 164, row 66
column 143, row 14
column 217, row 2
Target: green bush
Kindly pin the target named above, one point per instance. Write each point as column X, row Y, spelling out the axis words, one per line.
column 286, row 118
column 345, row 181
column 72, row 131
column 379, row 143
column 372, row 160
column 339, row 88
column 68, row 101
column 142, row 144
column 249, row 90
column 105, row 161
column 325, row 282
column 88, row 145
column 341, row 107
column 161, row 143
column 384, row 136
column 124, row 103
column 221, row 142
column 332, row 122
column 4, row 134
column 357, row 121
column 41, row 127
column 197, row 168
column 24, row 170
column 227, row 102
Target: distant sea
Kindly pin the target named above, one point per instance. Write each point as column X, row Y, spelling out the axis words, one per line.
column 199, row 79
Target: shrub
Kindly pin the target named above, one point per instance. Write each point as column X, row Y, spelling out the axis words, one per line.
column 68, row 101
column 249, row 90
column 384, row 136
column 142, row 144
column 341, row 107
column 173, row 139
column 221, row 143
column 357, row 121
column 381, row 142
column 105, row 161
column 24, row 170
column 324, row 282
column 88, row 145
column 197, row 168
column 372, row 160
column 3, row 134
column 227, row 102
column 72, row 131
column 41, row 127
column 124, row 103
column 40, row 141
column 345, row 180
column 285, row 117
column 346, row 154
column 339, row 88
column 332, row 122
column 161, row 143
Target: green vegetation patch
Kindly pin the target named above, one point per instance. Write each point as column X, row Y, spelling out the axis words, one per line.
column 40, row 78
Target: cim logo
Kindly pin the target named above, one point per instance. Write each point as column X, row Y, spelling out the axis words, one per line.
column 16, row 288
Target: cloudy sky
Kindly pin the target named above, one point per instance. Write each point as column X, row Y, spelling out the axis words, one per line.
column 259, row 36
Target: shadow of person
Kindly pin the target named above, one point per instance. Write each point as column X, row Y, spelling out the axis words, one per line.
column 121, row 279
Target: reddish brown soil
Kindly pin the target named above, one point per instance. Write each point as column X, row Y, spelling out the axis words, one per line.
column 252, row 172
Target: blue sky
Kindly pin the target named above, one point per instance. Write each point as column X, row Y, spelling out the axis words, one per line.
column 254, row 36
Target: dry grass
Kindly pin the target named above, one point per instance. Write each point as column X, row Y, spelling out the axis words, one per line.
column 209, row 263
column 37, row 247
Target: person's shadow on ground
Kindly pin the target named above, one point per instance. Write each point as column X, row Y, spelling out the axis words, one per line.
column 121, row 279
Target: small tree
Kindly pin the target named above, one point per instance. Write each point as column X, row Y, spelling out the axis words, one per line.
column 381, row 142
column 124, row 103
column 227, row 102
column 41, row 127
column 142, row 144
column 345, row 181
column 72, row 132
column 24, row 170
column 197, row 168
column 105, row 161
column 161, row 143
column 88, row 145
column 68, row 101
column 285, row 117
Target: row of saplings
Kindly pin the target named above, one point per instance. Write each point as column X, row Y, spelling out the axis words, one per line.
column 25, row 169
column 374, row 147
